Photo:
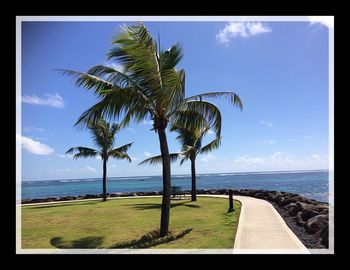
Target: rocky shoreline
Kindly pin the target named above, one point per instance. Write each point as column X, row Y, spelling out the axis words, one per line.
column 307, row 218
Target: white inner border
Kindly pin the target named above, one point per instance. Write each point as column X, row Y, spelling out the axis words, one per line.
column 20, row 19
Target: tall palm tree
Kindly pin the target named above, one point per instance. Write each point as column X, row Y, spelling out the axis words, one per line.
column 148, row 87
column 191, row 145
column 103, row 136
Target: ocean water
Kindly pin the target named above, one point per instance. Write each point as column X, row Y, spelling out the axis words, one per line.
column 311, row 184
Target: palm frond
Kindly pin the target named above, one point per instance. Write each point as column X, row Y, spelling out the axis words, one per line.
column 207, row 110
column 135, row 49
column 158, row 159
column 84, row 152
column 114, row 129
column 171, row 57
column 116, row 77
column 101, row 134
column 184, row 135
column 174, row 83
column 188, row 120
column 87, row 80
column 150, row 68
column 119, row 155
column 115, row 103
column 234, row 98
column 210, row 146
column 123, row 148
column 183, row 160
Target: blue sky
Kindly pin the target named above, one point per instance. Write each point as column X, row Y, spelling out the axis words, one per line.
column 279, row 69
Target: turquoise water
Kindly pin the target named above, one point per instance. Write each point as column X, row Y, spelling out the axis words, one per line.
column 312, row 184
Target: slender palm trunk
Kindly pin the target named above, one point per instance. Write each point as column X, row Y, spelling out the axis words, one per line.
column 165, row 214
column 104, row 180
column 193, row 172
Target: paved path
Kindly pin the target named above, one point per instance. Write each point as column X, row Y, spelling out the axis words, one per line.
column 261, row 227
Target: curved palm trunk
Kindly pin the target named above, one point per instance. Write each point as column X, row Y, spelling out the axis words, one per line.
column 193, row 172
column 165, row 214
column 104, row 180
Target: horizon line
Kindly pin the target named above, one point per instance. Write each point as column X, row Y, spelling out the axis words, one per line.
column 257, row 172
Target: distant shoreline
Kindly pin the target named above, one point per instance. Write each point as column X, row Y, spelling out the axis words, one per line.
column 312, row 184
column 203, row 174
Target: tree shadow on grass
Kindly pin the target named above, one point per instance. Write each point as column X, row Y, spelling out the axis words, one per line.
column 85, row 242
column 148, row 240
column 151, row 239
column 146, row 206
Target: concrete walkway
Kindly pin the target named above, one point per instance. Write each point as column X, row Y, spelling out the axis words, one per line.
column 261, row 227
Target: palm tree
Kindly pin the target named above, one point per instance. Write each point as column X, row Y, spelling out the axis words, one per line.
column 148, row 87
column 191, row 141
column 103, row 136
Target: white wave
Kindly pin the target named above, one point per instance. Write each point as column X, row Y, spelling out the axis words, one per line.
column 282, row 172
column 130, row 178
column 75, row 180
column 64, row 181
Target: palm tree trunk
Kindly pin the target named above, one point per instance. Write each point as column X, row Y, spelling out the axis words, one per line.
column 165, row 214
column 193, row 172
column 104, row 180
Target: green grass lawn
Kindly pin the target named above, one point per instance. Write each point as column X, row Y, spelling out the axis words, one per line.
column 129, row 223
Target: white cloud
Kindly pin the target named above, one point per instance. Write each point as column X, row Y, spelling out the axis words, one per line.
column 134, row 158
column 241, row 29
column 277, row 161
column 34, row 147
column 147, row 154
column 210, row 132
column 51, row 100
column 98, row 157
column 327, row 21
column 248, row 159
column 266, row 123
column 89, row 169
column 258, row 28
column 31, row 128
